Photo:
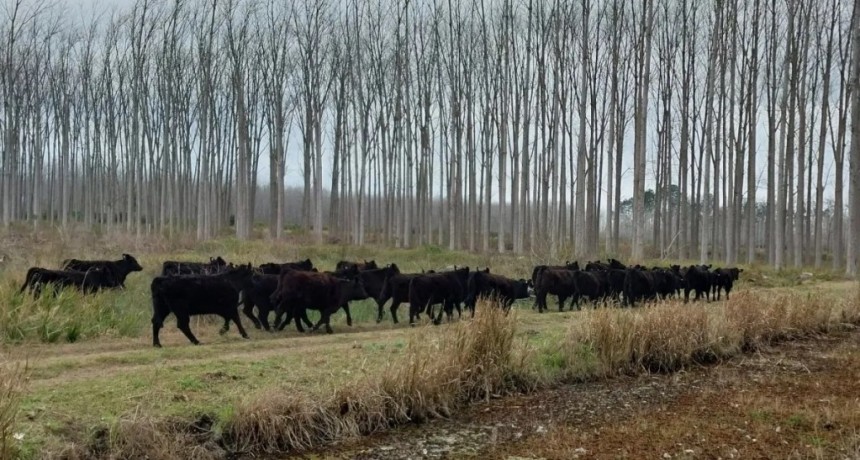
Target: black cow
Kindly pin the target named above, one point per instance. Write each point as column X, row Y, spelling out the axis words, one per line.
column 301, row 290
column 615, row 283
column 258, row 293
column 374, row 282
column 89, row 281
column 616, row 265
column 273, row 268
column 505, row 290
column 558, row 282
column 698, row 278
column 540, row 268
column 536, row 272
column 360, row 266
column 118, row 270
column 348, row 272
column 396, row 288
column 638, row 285
column 589, row 284
column 447, row 288
column 173, row 268
column 726, row 278
column 191, row 295
column 665, row 282
column 596, row 266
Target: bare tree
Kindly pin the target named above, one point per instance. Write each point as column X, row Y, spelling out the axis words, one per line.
column 854, row 192
column 643, row 71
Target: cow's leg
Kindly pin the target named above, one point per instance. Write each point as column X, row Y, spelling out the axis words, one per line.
column 225, row 327
column 297, row 313
column 413, row 312
column 263, row 312
column 379, row 312
column 182, row 322
column 345, row 308
column 447, row 308
column 234, row 316
column 157, row 324
column 540, row 301
column 428, row 309
column 394, row 305
column 324, row 319
column 248, row 309
column 303, row 315
column 561, row 299
column 280, row 322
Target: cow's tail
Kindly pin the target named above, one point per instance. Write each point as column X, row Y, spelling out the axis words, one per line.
column 30, row 279
column 470, row 299
column 385, row 292
column 159, row 305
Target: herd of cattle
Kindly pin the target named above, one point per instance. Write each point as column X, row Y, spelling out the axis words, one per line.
column 290, row 289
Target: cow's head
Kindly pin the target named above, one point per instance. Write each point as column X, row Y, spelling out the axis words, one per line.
column 614, row 263
column 736, row 273
column 348, row 272
column 354, row 289
column 523, row 289
column 238, row 275
column 131, row 263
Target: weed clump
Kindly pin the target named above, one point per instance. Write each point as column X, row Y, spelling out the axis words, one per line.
column 13, row 380
column 440, row 371
column 669, row 336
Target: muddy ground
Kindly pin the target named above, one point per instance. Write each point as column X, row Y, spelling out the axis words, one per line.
column 797, row 399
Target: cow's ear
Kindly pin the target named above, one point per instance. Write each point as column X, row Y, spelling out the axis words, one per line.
column 740, row 270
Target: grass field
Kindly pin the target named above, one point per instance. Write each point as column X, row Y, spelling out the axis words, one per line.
column 94, row 386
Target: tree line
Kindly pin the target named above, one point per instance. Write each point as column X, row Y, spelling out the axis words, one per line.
column 500, row 125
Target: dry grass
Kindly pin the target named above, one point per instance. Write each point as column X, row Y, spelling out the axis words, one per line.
column 438, row 374
column 669, row 336
column 13, row 380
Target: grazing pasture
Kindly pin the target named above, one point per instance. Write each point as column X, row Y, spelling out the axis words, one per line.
column 91, row 368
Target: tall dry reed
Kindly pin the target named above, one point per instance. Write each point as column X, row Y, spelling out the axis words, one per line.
column 13, row 381
column 671, row 335
column 441, row 370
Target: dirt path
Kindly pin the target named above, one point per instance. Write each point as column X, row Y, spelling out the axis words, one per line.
column 794, row 400
column 66, row 363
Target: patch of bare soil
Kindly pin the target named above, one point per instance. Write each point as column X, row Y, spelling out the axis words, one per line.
column 794, row 400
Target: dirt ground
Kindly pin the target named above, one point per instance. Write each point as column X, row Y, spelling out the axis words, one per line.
column 792, row 400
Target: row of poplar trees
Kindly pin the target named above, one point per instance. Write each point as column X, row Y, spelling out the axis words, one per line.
column 486, row 125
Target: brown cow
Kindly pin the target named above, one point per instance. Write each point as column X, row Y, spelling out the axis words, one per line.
column 299, row 290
